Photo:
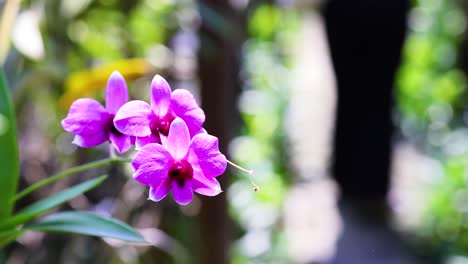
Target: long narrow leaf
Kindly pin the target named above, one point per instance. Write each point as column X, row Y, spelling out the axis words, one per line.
column 9, row 236
column 9, row 161
column 87, row 224
column 48, row 203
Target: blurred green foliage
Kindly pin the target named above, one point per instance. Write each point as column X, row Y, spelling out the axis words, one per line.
column 106, row 32
column 428, row 76
column 264, row 22
column 262, row 146
column 431, row 99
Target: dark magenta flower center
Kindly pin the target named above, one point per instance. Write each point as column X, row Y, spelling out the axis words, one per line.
column 161, row 125
column 181, row 171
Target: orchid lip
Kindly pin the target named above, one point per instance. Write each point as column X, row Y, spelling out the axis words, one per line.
column 180, row 172
column 161, row 125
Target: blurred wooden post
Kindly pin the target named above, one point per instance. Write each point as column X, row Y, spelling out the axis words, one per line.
column 221, row 36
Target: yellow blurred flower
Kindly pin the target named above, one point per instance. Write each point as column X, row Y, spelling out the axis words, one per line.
column 88, row 82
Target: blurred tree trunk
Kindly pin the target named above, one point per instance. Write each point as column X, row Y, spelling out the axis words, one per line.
column 221, row 36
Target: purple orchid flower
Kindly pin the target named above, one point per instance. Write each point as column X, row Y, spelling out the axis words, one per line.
column 93, row 124
column 151, row 123
column 180, row 164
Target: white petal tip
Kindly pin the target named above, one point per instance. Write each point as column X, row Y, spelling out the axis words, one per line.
column 116, row 74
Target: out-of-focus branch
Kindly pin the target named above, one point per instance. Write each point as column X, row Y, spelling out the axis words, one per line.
column 219, row 71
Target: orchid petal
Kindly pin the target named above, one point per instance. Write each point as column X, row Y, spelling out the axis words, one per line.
column 121, row 142
column 183, row 195
column 87, row 141
column 204, row 153
column 183, row 104
column 85, row 117
column 157, row 193
column 116, row 92
column 160, row 96
column 134, row 119
column 163, row 140
column 153, row 153
column 142, row 141
column 151, row 174
column 201, row 131
column 178, row 140
column 205, row 185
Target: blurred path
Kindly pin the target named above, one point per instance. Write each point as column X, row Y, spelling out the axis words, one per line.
column 311, row 218
column 312, row 101
column 315, row 231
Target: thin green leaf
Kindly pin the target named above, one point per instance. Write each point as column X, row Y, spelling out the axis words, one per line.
column 9, row 160
column 48, row 203
column 87, row 224
column 9, row 236
column 66, row 173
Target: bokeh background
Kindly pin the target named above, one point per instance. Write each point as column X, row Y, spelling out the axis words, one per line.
column 263, row 73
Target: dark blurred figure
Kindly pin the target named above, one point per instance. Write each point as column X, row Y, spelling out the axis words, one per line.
column 365, row 39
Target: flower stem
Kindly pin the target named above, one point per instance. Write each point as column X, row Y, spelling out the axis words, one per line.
column 112, row 151
column 249, row 172
column 63, row 174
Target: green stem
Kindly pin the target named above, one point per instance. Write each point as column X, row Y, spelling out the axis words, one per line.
column 63, row 174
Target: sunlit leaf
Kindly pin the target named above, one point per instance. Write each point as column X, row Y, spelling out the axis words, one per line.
column 264, row 22
column 448, row 86
column 87, row 224
column 48, row 203
column 9, row 161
